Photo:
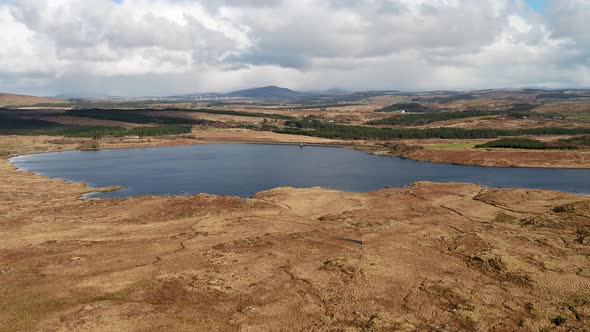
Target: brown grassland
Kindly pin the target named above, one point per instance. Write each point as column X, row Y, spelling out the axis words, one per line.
column 427, row 257
column 430, row 256
column 22, row 100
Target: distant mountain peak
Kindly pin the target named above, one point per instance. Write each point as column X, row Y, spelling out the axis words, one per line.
column 267, row 92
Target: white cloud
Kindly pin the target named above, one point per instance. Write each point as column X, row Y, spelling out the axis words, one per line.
column 141, row 47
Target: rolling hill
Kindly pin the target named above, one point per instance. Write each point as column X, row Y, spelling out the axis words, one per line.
column 8, row 99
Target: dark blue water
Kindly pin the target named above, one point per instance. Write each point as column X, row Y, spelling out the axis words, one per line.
column 244, row 169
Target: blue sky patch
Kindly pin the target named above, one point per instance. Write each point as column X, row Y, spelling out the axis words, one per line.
column 538, row 5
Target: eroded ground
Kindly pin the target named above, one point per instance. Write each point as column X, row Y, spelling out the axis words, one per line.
column 450, row 257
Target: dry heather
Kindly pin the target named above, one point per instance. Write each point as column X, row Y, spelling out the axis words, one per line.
column 505, row 157
column 452, row 257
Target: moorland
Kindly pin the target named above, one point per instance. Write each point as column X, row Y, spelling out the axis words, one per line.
column 427, row 257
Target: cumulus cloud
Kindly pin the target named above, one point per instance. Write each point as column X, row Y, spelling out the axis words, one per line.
column 141, row 47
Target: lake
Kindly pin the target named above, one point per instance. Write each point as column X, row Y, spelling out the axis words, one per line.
column 244, row 169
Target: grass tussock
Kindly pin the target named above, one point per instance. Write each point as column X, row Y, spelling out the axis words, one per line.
column 502, row 217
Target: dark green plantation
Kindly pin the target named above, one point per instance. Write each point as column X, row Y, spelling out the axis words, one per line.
column 523, row 143
column 227, row 112
column 133, row 116
column 16, row 126
column 577, row 142
column 317, row 128
column 140, row 116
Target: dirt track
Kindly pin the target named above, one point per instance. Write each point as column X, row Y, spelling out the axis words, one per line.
column 449, row 257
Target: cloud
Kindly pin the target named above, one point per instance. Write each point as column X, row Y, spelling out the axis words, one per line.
column 139, row 47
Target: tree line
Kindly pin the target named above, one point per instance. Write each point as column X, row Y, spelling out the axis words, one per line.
column 316, row 128
column 227, row 112
column 33, row 127
column 132, row 116
column 525, row 143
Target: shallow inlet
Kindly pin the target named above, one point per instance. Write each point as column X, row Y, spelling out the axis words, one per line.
column 244, row 169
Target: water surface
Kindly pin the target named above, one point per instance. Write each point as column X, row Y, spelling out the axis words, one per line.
column 244, row 169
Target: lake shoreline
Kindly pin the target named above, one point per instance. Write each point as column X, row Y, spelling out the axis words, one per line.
column 577, row 160
column 189, row 258
column 181, row 260
column 269, row 166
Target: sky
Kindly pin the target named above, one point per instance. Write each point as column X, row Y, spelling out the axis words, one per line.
column 538, row 5
column 168, row 47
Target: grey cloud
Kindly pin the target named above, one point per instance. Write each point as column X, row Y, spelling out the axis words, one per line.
column 570, row 19
column 133, row 48
column 362, row 29
column 78, row 26
column 263, row 58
